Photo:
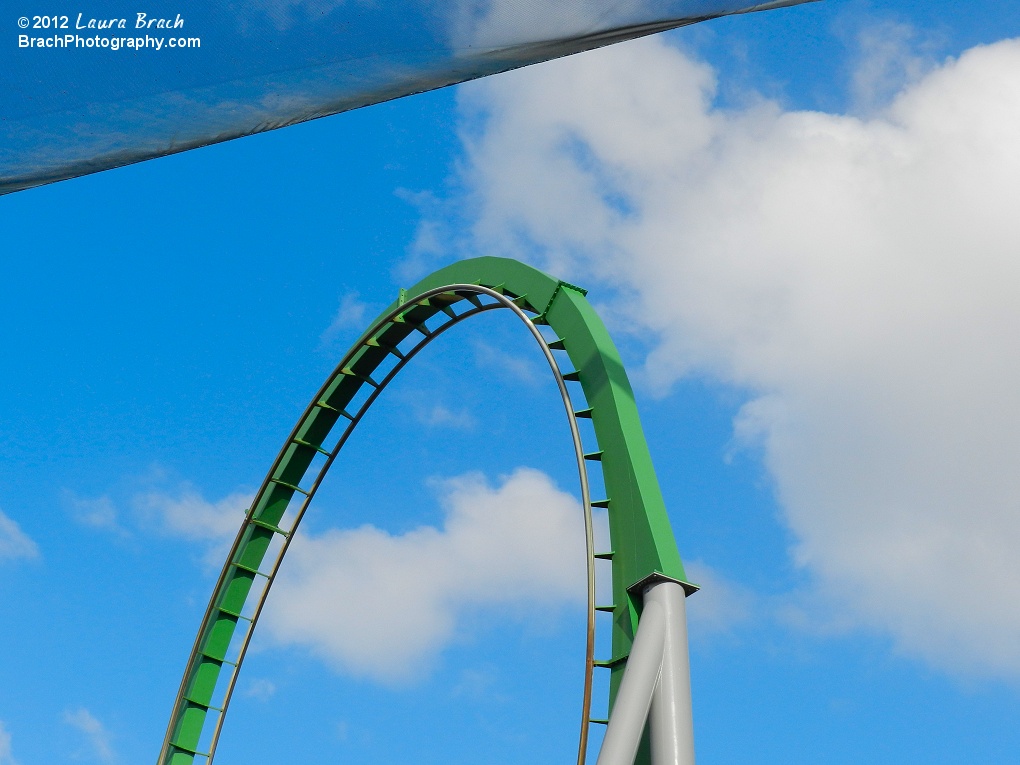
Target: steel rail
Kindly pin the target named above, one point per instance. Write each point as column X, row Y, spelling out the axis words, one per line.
column 375, row 330
column 643, row 545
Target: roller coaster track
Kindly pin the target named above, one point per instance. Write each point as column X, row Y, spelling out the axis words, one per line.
column 643, row 546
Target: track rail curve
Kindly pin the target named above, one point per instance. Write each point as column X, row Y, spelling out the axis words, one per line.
column 642, row 540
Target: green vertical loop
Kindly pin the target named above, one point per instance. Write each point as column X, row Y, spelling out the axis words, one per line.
column 642, row 539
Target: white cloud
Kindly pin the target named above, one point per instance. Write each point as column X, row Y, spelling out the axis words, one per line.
column 489, row 356
column 180, row 512
column 891, row 58
column 426, row 251
column 719, row 606
column 477, row 684
column 352, row 314
column 6, row 752
column 97, row 513
column 384, row 606
column 343, row 730
column 191, row 516
column 497, row 23
column 260, row 689
column 94, row 731
column 441, row 416
column 506, row 547
column 858, row 277
column 15, row 544
column 188, row 515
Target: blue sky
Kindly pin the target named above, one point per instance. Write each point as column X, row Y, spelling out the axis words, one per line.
column 799, row 226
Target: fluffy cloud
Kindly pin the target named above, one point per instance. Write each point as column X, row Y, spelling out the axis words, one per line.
column 384, row 605
column 181, row 512
column 15, row 544
column 441, row 416
column 6, row 753
column 719, row 606
column 521, row 368
column 260, row 689
column 351, row 319
column 188, row 515
column 518, row 547
column 497, row 23
column 858, row 277
column 96, row 512
column 95, row 733
column 891, row 55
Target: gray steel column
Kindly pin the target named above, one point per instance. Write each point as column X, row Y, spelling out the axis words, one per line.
column 656, row 686
column 672, row 727
column 633, row 700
